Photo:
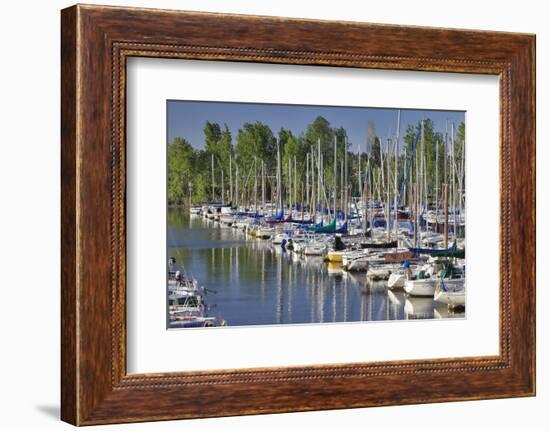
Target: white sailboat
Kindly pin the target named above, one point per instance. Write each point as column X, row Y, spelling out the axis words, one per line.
column 420, row 287
column 450, row 292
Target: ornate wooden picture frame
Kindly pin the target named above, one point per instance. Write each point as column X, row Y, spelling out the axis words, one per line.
column 96, row 41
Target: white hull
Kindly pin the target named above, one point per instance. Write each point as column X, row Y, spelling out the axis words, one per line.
column 454, row 294
column 314, row 250
column 424, row 287
column 396, row 281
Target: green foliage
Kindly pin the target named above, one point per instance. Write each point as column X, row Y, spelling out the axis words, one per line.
column 212, row 135
column 460, row 140
column 320, row 130
column 375, row 153
column 255, row 141
column 190, row 170
column 180, row 157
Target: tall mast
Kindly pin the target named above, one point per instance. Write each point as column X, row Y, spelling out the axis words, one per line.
column 289, row 185
column 445, row 149
column 263, row 187
column 335, row 168
column 425, row 173
column 342, row 185
column 395, row 177
column 359, row 179
column 446, row 212
column 382, row 184
column 454, row 178
column 422, row 173
column 255, row 186
column 213, row 198
column 388, row 216
column 366, row 198
column 346, row 178
column 371, row 188
column 313, row 197
column 415, row 190
column 436, row 194
column 319, row 167
column 230, row 179
column 237, row 185
column 279, row 195
column 415, row 214
column 462, row 177
column 223, row 194
column 307, row 178
column 295, row 182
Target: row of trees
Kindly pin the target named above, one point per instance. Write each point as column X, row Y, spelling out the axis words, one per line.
column 241, row 161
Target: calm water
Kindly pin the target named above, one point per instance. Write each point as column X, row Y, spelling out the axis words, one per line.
column 257, row 283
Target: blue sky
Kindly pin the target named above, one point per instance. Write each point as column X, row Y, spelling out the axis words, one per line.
column 186, row 119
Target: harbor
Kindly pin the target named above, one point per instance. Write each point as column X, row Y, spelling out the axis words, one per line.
column 263, row 283
column 316, row 232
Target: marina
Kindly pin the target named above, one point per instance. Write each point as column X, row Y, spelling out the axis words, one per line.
column 313, row 232
column 260, row 281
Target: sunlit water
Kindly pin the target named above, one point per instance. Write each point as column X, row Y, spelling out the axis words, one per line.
column 256, row 283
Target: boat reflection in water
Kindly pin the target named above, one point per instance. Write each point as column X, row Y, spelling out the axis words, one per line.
column 258, row 283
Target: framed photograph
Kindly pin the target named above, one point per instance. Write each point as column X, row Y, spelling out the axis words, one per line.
column 266, row 215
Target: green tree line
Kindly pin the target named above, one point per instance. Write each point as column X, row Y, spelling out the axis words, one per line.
column 240, row 161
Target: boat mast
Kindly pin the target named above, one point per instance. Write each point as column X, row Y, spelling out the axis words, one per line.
column 213, row 198
column 346, row 178
column 422, row 171
column 395, row 177
column 307, row 178
column 446, row 212
column 334, row 203
column 416, row 193
column 425, row 176
column 230, row 179
column 381, row 184
column 342, row 184
column 366, row 197
column 388, row 187
column 278, row 179
column 223, row 194
column 454, row 178
column 295, row 202
column 462, row 179
column 263, row 187
column 319, row 167
column 445, row 149
column 237, row 185
column 289, row 186
column 436, row 191
column 359, row 179
column 313, row 197
column 255, row 187
column 371, row 189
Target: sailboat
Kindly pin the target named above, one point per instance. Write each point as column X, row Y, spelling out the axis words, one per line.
column 450, row 292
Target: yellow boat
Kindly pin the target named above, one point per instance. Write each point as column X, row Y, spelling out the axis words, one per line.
column 335, row 256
